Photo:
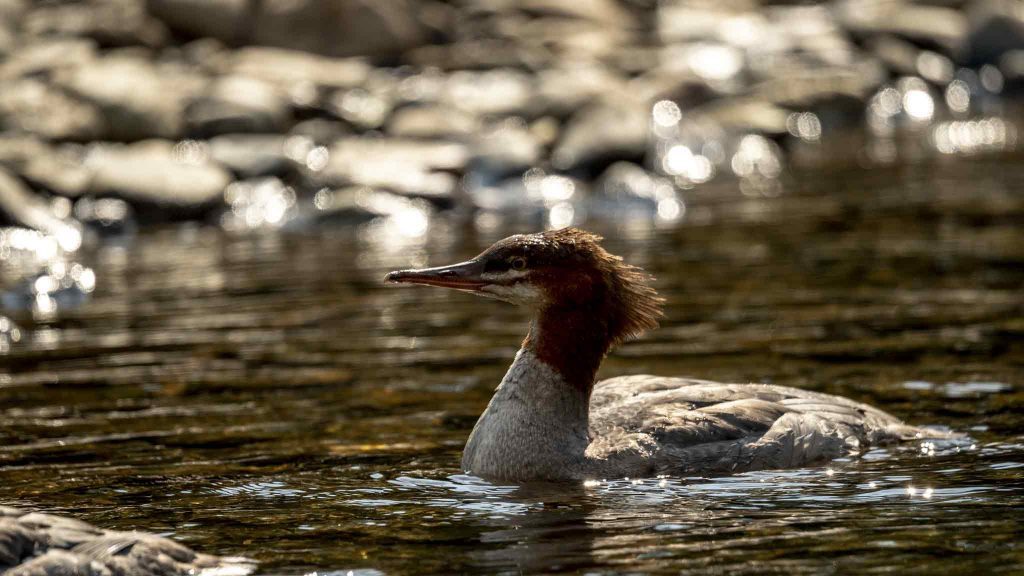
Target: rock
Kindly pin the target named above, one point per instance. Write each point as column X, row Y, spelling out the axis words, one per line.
column 328, row 27
column 138, row 99
column 357, row 204
column 321, row 131
column 505, row 148
column 252, row 155
column 614, row 129
column 238, row 104
column 159, row 178
column 30, row 211
column 565, row 90
column 57, row 545
column 362, row 108
column 405, row 166
column 996, row 28
column 289, row 67
column 33, row 106
column 931, row 26
column 59, row 170
column 109, row 22
column 46, row 56
column 497, row 92
column 746, row 114
column 431, row 122
column 606, row 12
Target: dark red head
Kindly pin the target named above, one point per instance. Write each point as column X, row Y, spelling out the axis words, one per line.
column 565, row 275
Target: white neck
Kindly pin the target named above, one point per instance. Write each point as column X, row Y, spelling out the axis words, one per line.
column 534, row 428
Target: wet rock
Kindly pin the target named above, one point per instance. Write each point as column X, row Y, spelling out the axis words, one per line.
column 138, row 99
column 357, row 204
column 29, row 210
column 290, row 67
column 109, row 22
column 996, row 28
column 602, row 11
column 601, row 133
column 362, row 108
column 57, row 545
column 252, row 155
column 238, row 104
column 566, row 89
column 329, row 27
column 160, row 178
column 405, row 166
column 431, row 122
column 497, row 92
column 36, row 107
column 45, row 56
column 904, row 59
column 745, row 114
column 798, row 85
column 321, row 131
column 932, row 26
column 505, row 148
column 13, row 546
column 58, row 169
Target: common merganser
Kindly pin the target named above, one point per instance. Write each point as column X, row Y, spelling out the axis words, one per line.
column 549, row 420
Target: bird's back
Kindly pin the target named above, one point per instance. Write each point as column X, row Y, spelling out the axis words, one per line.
column 648, row 425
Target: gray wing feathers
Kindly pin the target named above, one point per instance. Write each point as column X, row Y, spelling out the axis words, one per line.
column 644, row 424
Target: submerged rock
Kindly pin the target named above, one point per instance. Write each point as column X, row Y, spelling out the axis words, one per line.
column 161, row 178
column 35, row 544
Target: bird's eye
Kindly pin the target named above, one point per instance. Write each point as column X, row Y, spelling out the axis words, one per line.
column 518, row 263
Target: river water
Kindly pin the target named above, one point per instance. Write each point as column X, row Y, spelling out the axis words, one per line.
column 265, row 394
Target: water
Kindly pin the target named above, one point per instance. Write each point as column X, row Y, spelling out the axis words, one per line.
column 264, row 394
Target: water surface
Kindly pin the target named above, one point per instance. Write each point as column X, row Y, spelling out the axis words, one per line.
column 264, row 394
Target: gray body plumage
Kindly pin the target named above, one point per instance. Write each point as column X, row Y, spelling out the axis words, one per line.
column 538, row 427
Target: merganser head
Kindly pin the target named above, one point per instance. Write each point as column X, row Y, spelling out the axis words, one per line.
column 554, row 272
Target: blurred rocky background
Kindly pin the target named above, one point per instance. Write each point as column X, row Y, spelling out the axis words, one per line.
column 254, row 114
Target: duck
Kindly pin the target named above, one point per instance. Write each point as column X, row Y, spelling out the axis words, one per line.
column 550, row 420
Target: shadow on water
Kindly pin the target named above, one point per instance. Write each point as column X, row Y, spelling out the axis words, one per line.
column 265, row 394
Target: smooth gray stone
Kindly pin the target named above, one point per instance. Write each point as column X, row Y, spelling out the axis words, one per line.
column 110, row 22
column 329, row 27
column 137, row 98
column 603, row 132
column 175, row 179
